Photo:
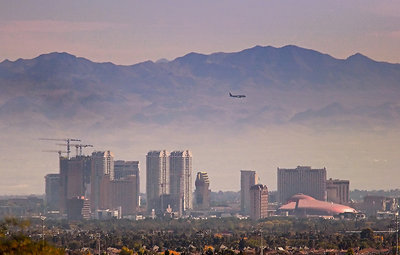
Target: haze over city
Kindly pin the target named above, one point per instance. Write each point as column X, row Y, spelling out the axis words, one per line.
column 302, row 107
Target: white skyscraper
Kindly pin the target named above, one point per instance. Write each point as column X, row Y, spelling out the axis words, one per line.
column 157, row 179
column 181, row 180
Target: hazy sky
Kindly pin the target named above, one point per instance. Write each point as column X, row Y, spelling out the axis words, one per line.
column 127, row 32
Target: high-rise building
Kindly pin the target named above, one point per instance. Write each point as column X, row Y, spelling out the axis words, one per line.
column 337, row 191
column 248, row 178
column 302, row 179
column 103, row 163
column 102, row 171
column 258, row 201
column 157, row 179
column 52, row 190
column 120, row 193
column 91, row 180
column 74, row 179
column 202, row 192
column 181, row 180
column 123, row 169
column 63, row 184
column 124, row 195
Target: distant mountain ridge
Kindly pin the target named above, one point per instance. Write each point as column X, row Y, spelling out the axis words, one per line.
column 60, row 85
column 291, row 61
column 274, row 65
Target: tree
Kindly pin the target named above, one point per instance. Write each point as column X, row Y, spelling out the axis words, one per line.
column 126, row 251
column 367, row 233
column 18, row 243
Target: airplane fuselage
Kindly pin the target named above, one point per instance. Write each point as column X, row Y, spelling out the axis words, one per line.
column 236, row 96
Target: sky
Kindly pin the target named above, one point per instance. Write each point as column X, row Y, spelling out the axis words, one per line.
column 128, row 32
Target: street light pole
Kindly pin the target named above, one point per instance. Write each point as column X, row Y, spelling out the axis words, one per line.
column 42, row 218
column 98, row 238
column 261, row 243
column 397, row 232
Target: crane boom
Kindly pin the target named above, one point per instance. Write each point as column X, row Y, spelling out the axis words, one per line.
column 59, row 152
column 78, row 147
column 68, row 140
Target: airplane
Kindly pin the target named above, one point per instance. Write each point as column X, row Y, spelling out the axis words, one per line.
column 237, row 96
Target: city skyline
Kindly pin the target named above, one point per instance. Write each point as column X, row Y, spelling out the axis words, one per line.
column 127, row 165
column 103, row 185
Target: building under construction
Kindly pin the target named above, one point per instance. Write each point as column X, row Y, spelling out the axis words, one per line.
column 202, row 192
column 92, row 180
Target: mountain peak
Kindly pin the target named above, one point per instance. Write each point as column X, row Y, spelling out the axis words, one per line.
column 52, row 56
column 359, row 57
column 162, row 60
column 6, row 61
column 56, row 55
column 191, row 57
column 291, row 46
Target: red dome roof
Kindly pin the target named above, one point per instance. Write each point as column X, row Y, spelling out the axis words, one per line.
column 300, row 196
column 304, row 204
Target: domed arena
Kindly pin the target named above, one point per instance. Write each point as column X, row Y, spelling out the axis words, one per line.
column 303, row 205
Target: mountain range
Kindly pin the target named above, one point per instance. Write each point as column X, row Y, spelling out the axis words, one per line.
column 62, row 87
column 291, row 92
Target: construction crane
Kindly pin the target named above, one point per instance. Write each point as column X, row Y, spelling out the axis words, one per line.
column 78, row 147
column 59, row 152
column 68, row 140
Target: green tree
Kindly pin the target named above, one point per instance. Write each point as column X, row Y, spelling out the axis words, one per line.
column 367, row 233
column 16, row 242
column 126, row 251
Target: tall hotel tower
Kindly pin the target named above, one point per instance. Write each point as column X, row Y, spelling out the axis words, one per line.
column 102, row 173
column 181, row 180
column 157, row 179
column 248, row 178
column 302, row 179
